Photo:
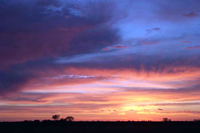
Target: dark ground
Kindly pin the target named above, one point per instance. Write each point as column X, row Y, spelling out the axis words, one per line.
column 99, row 127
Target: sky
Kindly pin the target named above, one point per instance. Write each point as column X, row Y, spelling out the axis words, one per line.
column 102, row 60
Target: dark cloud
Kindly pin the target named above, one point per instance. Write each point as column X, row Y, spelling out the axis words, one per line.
column 179, row 11
column 118, row 47
column 85, row 41
column 15, row 77
column 30, row 31
column 191, row 14
column 55, row 3
column 42, row 73
column 12, row 81
column 160, row 109
column 149, row 31
column 139, row 62
column 114, row 48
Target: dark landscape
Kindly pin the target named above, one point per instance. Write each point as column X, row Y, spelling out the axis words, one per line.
column 99, row 127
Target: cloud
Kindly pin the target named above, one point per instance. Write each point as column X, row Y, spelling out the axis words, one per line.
column 135, row 62
column 160, row 109
column 106, row 49
column 118, row 47
column 185, row 41
column 178, row 104
column 35, row 45
column 194, row 47
column 55, row 3
column 156, row 29
column 113, row 48
column 44, row 32
column 191, row 14
column 149, row 31
column 43, row 75
column 149, row 42
column 178, row 12
column 181, row 112
column 12, row 81
column 46, row 71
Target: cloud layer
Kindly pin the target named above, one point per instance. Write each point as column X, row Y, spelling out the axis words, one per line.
column 99, row 59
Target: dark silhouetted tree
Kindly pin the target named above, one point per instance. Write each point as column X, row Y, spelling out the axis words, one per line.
column 36, row 121
column 166, row 119
column 69, row 118
column 62, row 119
column 55, row 117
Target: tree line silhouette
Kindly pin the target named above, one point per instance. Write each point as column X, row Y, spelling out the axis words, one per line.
column 63, row 125
column 68, row 118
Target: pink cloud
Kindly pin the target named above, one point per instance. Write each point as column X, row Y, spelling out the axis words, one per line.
column 185, row 41
column 106, row 49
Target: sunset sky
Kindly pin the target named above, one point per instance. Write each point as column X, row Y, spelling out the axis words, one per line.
column 100, row 59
